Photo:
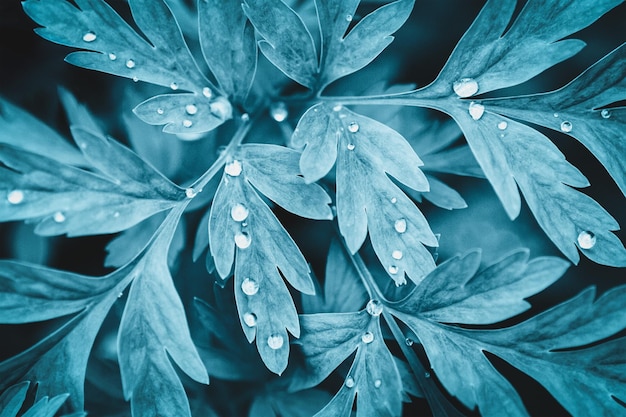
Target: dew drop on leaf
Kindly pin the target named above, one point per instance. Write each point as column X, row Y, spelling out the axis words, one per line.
column 239, row 212
column 337, row 107
column 503, row 125
column 249, row 319
column 15, row 197
column 160, row 111
column 58, row 217
column 426, row 374
column 350, row 146
column 191, row 109
column 393, row 269
column 116, row 214
column 135, row 79
column 349, row 382
column 556, row 115
column 190, row 192
column 586, row 239
column 245, row 117
column 374, row 307
column 378, row 383
column 368, row 337
column 408, row 341
column 476, row 110
column 243, row 240
column 566, row 126
column 112, row 56
column 206, row 91
column 279, row 111
column 605, row 114
column 275, row 341
column 465, row 87
column 187, row 123
column 249, row 286
column 397, row 254
column 130, row 63
column 120, row 295
column 394, row 200
column 353, row 127
column 349, row 18
column 174, row 86
column 89, row 37
column 233, row 168
column 400, row 225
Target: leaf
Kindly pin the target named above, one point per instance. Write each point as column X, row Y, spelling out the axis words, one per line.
column 457, row 292
column 542, row 347
column 580, row 103
column 46, row 407
column 327, row 340
column 228, row 45
column 64, row 199
column 367, row 199
column 110, row 45
column 343, row 55
column 12, row 399
column 280, row 403
column 286, row 42
column 241, row 223
column 20, row 129
column 439, row 194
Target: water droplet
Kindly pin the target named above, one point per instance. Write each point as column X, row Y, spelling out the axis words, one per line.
column 393, row 269
column 368, row 337
column 337, row 107
column 374, row 307
column 89, row 37
column 120, row 295
column 116, row 214
column 465, row 87
column 476, row 110
column 408, row 341
column 112, row 56
column 350, row 146
column 221, row 108
column 206, row 91
column 191, row 193
column 378, row 383
column 135, row 79
column 249, row 286
column 566, row 126
column 605, row 114
column 245, row 117
column 503, row 125
column 187, row 123
column 556, row 115
column 233, row 168
column 58, row 217
column 239, row 212
column 15, row 197
column 353, row 127
column 349, row 17
column 243, row 240
column 174, row 86
column 394, row 200
column 249, row 319
column 586, row 240
column 191, row 109
column 349, row 382
column 160, row 111
column 400, row 225
column 397, row 254
column 275, row 341
column 279, row 111
column 426, row 374
column 130, row 63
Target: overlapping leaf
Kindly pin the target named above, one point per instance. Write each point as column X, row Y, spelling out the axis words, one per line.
column 241, row 223
column 12, row 400
column 367, row 152
column 65, row 199
column 111, row 45
column 329, row 339
column 534, row 346
column 288, row 44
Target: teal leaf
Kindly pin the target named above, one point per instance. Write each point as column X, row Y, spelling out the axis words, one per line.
column 20, row 129
column 12, row 399
column 286, row 42
column 243, row 228
column 581, row 104
column 367, row 199
column 457, row 292
column 110, row 45
column 440, row 194
column 342, row 53
column 46, row 407
column 228, row 45
column 280, row 403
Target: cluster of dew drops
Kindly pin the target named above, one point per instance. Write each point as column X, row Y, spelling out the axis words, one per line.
column 467, row 87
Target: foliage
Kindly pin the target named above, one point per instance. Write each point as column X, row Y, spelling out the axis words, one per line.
column 265, row 151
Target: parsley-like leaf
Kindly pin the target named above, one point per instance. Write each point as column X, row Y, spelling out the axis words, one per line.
column 242, row 223
column 367, row 199
column 111, row 45
column 12, row 400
